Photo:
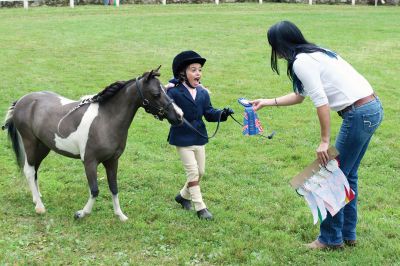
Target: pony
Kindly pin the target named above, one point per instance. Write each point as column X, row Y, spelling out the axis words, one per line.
column 94, row 130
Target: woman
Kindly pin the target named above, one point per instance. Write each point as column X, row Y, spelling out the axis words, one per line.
column 331, row 83
column 194, row 100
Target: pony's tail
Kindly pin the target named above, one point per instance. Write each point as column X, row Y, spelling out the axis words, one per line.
column 13, row 134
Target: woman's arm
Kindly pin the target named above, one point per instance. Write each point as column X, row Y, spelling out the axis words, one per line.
column 285, row 100
column 325, row 124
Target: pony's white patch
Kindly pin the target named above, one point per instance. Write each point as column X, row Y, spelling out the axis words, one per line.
column 29, row 172
column 117, row 209
column 65, row 101
column 88, row 207
column 75, row 143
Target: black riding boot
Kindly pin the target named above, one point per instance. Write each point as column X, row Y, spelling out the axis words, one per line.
column 205, row 214
column 186, row 204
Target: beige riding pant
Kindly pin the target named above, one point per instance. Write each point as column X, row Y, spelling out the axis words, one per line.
column 194, row 161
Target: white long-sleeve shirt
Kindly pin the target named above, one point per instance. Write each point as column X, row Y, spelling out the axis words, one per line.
column 330, row 80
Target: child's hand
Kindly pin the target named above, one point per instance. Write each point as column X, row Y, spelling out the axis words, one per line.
column 225, row 113
column 172, row 83
column 169, row 85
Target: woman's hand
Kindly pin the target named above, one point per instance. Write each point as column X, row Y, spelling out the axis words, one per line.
column 258, row 104
column 322, row 153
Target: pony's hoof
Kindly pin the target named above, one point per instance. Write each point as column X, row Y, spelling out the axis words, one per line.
column 40, row 210
column 122, row 218
column 79, row 215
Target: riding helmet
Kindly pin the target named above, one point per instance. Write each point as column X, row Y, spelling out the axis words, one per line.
column 184, row 59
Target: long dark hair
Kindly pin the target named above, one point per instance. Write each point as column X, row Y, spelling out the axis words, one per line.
column 287, row 41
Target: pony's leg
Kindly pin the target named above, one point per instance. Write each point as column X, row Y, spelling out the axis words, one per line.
column 88, row 207
column 91, row 174
column 34, row 154
column 30, row 174
column 111, row 170
column 37, row 185
column 41, row 153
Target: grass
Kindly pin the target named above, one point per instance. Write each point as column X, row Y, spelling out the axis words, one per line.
column 259, row 219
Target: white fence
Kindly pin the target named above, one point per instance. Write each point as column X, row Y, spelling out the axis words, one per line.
column 353, row 2
column 164, row 2
column 71, row 2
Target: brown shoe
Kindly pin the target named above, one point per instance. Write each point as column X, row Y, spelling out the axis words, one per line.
column 350, row 243
column 318, row 245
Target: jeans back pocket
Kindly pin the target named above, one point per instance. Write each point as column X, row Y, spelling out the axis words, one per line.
column 372, row 121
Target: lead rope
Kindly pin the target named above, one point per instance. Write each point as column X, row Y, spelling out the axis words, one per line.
column 83, row 102
column 201, row 134
column 270, row 136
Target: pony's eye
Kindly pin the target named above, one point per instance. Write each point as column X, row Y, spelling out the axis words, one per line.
column 157, row 95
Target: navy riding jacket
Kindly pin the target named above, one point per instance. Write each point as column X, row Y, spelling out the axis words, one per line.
column 193, row 111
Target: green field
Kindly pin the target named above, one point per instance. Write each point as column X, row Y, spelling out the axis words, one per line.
column 259, row 219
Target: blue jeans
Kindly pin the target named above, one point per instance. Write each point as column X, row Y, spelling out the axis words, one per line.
column 358, row 126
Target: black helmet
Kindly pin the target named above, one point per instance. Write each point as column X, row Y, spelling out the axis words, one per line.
column 185, row 58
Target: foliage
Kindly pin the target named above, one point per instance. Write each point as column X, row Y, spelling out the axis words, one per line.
column 259, row 219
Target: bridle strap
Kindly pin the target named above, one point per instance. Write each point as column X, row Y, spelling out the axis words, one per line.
column 146, row 103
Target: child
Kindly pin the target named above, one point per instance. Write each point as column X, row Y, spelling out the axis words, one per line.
column 195, row 103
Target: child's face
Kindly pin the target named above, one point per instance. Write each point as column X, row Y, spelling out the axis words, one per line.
column 193, row 74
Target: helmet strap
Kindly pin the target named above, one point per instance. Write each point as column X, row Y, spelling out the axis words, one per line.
column 188, row 83
column 186, row 80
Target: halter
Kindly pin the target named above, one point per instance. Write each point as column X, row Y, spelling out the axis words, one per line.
column 157, row 112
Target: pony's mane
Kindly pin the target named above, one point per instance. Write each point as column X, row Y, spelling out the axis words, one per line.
column 114, row 88
column 109, row 91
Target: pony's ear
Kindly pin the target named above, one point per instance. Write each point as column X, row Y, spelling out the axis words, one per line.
column 149, row 75
column 153, row 73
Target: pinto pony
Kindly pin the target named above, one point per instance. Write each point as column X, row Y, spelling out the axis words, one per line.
column 93, row 130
